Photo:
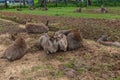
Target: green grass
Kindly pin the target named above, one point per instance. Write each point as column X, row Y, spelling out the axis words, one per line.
column 68, row 11
column 117, row 78
column 2, row 28
column 29, row 78
column 36, row 68
column 35, row 1
column 68, row 65
column 25, row 71
column 60, row 74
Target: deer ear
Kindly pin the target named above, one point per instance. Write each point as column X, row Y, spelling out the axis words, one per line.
column 47, row 22
column 13, row 37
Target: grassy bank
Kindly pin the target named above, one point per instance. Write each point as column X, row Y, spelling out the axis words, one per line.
column 89, row 12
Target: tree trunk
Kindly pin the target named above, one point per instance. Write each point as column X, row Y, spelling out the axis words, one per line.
column 6, row 5
column 76, row 2
column 88, row 2
column 44, row 3
column 65, row 2
column 20, row 4
column 33, row 3
column 39, row 1
column 56, row 3
column 24, row 3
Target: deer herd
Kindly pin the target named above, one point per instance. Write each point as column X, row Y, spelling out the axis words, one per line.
column 62, row 40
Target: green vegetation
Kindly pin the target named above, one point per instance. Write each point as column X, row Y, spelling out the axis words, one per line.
column 36, row 68
column 25, row 71
column 69, row 12
column 60, row 74
column 68, row 65
column 80, row 71
column 60, row 58
column 117, row 78
column 2, row 28
column 49, row 67
column 29, row 78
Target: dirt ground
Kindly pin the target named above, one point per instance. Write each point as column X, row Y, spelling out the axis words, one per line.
column 93, row 62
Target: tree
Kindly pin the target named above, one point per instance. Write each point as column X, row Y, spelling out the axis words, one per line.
column 39, row 1
column 24, row 3
column 88, row 2
column 6, row 5
column 32, row 3
column 44, row 3
column 76, row 2
column 56, row 3
column 65, row 2
column 20, row 3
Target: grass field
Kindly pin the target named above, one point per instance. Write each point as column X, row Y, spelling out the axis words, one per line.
column 89, row 12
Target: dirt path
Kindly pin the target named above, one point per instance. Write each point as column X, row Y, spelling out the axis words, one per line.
column 5, row 20
column 19, row 25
